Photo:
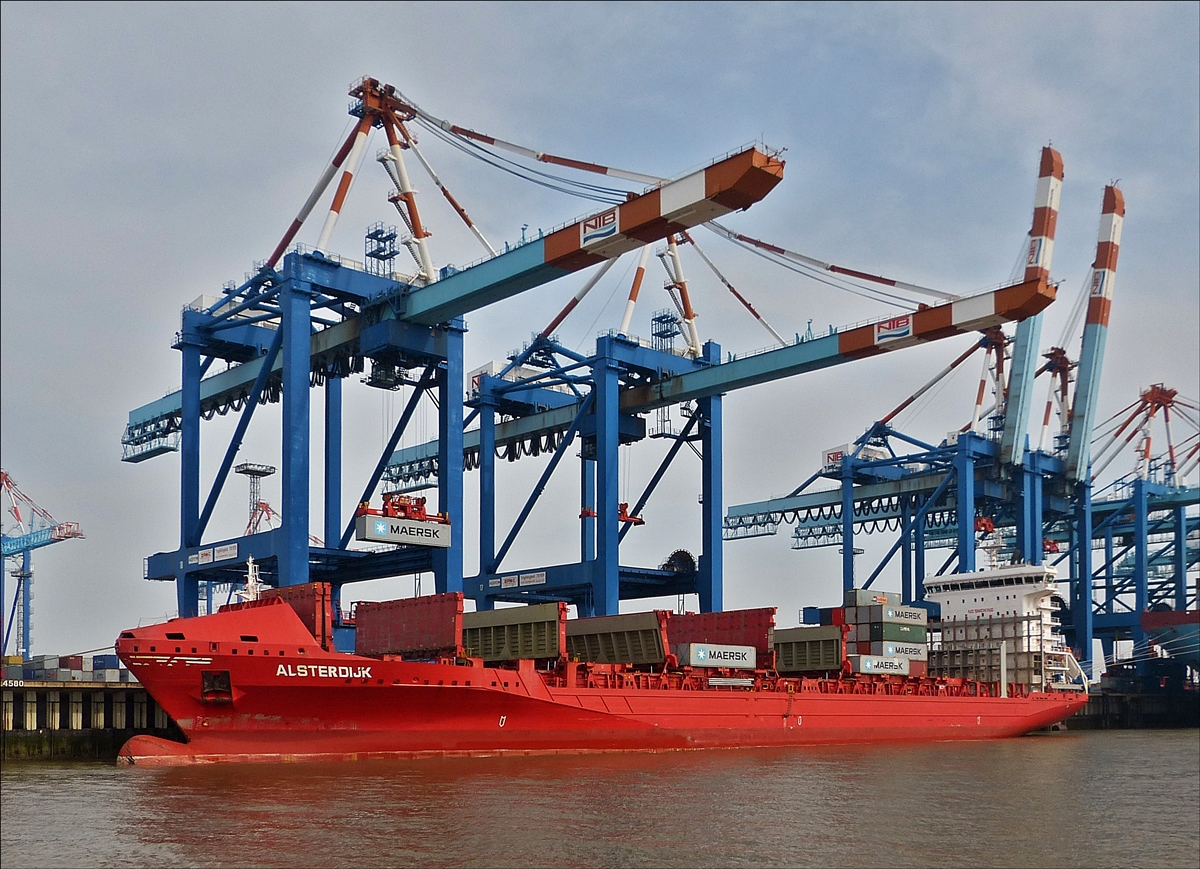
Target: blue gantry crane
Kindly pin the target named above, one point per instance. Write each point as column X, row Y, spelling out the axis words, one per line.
column 983, row 486
column 309, row 318
column 33, row 528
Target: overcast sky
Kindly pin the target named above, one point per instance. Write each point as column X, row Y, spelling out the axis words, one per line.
column 152, row 152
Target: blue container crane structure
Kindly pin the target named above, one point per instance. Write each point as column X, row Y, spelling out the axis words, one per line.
column 984, row 486
column 309, row 319
column 34, row 529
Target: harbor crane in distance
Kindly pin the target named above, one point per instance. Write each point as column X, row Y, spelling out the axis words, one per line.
column 34, row 528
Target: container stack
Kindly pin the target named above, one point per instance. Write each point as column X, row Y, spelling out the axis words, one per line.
column 67, row 668
column 14, row 669
column 884, row 636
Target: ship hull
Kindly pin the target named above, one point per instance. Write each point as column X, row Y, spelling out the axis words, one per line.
column 288, row 700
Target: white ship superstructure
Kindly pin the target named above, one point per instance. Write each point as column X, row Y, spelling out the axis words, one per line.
column 1011, row 607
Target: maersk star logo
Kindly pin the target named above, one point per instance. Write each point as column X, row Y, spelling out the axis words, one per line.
column 702, row 654
column 381, row 526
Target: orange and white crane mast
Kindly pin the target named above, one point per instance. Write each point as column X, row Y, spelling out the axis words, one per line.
column 1095, row 333
column 677, row 283
column 638, row 276
column 410, row 142
column 995, row 344
column 1015, row 401
column 745, row 302
column 1140, row 423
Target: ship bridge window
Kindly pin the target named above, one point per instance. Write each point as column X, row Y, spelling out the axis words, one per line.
column 126, row 635
column 249, row 638
column 174, row 635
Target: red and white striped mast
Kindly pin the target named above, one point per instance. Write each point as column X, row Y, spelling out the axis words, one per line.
column 578, row 297
column 1095, row 333
column 343, row 190
column 411, row 142
column 394, row 164
column 1059, row 367
column 995, row 344
column 678, row 283
column 638, row 276
column 314, row 197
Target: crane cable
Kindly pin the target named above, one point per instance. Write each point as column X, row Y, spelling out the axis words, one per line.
column 474, row 144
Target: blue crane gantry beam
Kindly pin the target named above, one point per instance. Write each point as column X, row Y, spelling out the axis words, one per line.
column 733, row 182
column 977, row 312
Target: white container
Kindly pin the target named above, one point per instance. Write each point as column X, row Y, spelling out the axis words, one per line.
column 901, row 615
column 878, row 665
column 713, row 655
column 860, row 597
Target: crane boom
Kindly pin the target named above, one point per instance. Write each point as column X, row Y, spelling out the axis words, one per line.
column 971, row 314
column 1095, row 333
column 1019, row 398
column 728, row 184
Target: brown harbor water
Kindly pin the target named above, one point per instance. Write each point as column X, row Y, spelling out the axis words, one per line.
column 1087, row 799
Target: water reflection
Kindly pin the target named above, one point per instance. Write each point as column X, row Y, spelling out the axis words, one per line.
column 1088, row 799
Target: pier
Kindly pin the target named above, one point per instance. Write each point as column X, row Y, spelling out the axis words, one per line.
column 77, row 720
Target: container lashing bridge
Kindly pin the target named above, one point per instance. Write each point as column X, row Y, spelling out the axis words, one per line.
column 309, row 319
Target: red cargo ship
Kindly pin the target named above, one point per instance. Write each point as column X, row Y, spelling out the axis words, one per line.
column 261, row 681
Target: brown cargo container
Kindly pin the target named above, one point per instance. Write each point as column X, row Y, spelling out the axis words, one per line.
column 752, row 627
column 411, row 627
column 313, row 602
